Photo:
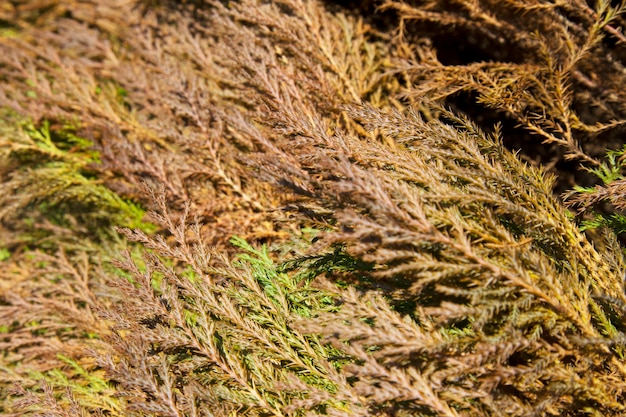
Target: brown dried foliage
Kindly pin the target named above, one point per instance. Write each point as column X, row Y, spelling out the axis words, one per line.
column 446, row 279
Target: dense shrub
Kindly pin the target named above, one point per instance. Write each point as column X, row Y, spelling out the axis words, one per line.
column 394, row 208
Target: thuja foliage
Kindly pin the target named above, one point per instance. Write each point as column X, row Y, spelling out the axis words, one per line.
column 338, row 224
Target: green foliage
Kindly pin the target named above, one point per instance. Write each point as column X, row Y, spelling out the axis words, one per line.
column 296, row 289
column 51, row 174
column 611, row 170
column 231, row 338
column 615, row 222
column 90, row 389
column 590, row 200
